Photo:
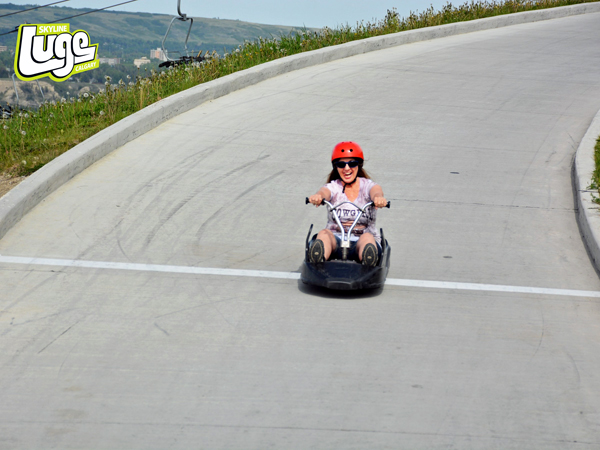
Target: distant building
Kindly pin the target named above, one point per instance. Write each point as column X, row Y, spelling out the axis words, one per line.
column 110, row 61
column 158, row 54
column 141, row 61
column 3, row 48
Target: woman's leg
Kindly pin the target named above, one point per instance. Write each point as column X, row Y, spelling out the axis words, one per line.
column 323, row 246
column 363, row 241
column 329, row 242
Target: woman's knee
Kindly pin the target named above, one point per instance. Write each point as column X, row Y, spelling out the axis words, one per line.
column 366, row 238
column 326, row 235
column 329, row 242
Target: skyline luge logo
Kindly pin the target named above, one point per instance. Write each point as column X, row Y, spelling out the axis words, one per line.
column 53, row 51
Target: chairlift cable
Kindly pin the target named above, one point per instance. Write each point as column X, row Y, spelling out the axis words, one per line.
column 31, row 9
column 77, row 15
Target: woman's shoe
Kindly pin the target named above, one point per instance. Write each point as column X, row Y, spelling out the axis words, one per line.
column 369, row 255
column 317, row 252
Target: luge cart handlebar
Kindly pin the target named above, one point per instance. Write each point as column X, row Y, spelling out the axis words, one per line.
column 325, row 201
column 346, row 234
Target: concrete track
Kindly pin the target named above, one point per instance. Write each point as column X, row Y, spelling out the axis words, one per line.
column 472, row 138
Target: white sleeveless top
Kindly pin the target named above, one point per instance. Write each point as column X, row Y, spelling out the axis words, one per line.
column 347, row 213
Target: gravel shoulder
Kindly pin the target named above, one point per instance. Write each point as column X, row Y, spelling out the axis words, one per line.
column 7, row 183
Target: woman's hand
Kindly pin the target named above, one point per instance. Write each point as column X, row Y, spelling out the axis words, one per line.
column 380, row 202
column 316, row 199
column 377, row 197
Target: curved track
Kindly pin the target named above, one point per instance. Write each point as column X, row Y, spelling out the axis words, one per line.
column 472, row 138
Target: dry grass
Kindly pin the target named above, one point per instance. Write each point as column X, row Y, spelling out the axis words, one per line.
column 596, row 175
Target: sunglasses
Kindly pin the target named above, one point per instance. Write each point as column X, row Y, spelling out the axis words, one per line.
column 341, row 164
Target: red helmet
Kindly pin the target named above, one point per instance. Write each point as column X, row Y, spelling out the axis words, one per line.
column 347, row 149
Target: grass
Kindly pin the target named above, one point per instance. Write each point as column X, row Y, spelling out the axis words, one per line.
column 596, row 174
column 31, row 139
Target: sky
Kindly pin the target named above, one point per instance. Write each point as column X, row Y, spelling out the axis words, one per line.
column 309, row 13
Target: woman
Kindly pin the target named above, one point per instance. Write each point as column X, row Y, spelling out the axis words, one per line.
column 348, row 181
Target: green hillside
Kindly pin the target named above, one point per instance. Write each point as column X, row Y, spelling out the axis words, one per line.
column 123, row 35
column 132, row 35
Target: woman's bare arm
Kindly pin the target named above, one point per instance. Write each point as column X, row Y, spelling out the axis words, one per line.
column 321, row 194
column 376, row 194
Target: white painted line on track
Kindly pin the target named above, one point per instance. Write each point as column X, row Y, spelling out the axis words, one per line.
column 286, row 275
column 490, row 288
column 148, row 267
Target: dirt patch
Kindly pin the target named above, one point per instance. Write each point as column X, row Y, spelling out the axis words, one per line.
column 7, row 183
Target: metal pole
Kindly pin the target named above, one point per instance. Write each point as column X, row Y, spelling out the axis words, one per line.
column 40, row 88
column 183, row 16
column 15, row 87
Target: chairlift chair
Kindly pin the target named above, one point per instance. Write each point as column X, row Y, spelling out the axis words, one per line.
column 170, row 62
